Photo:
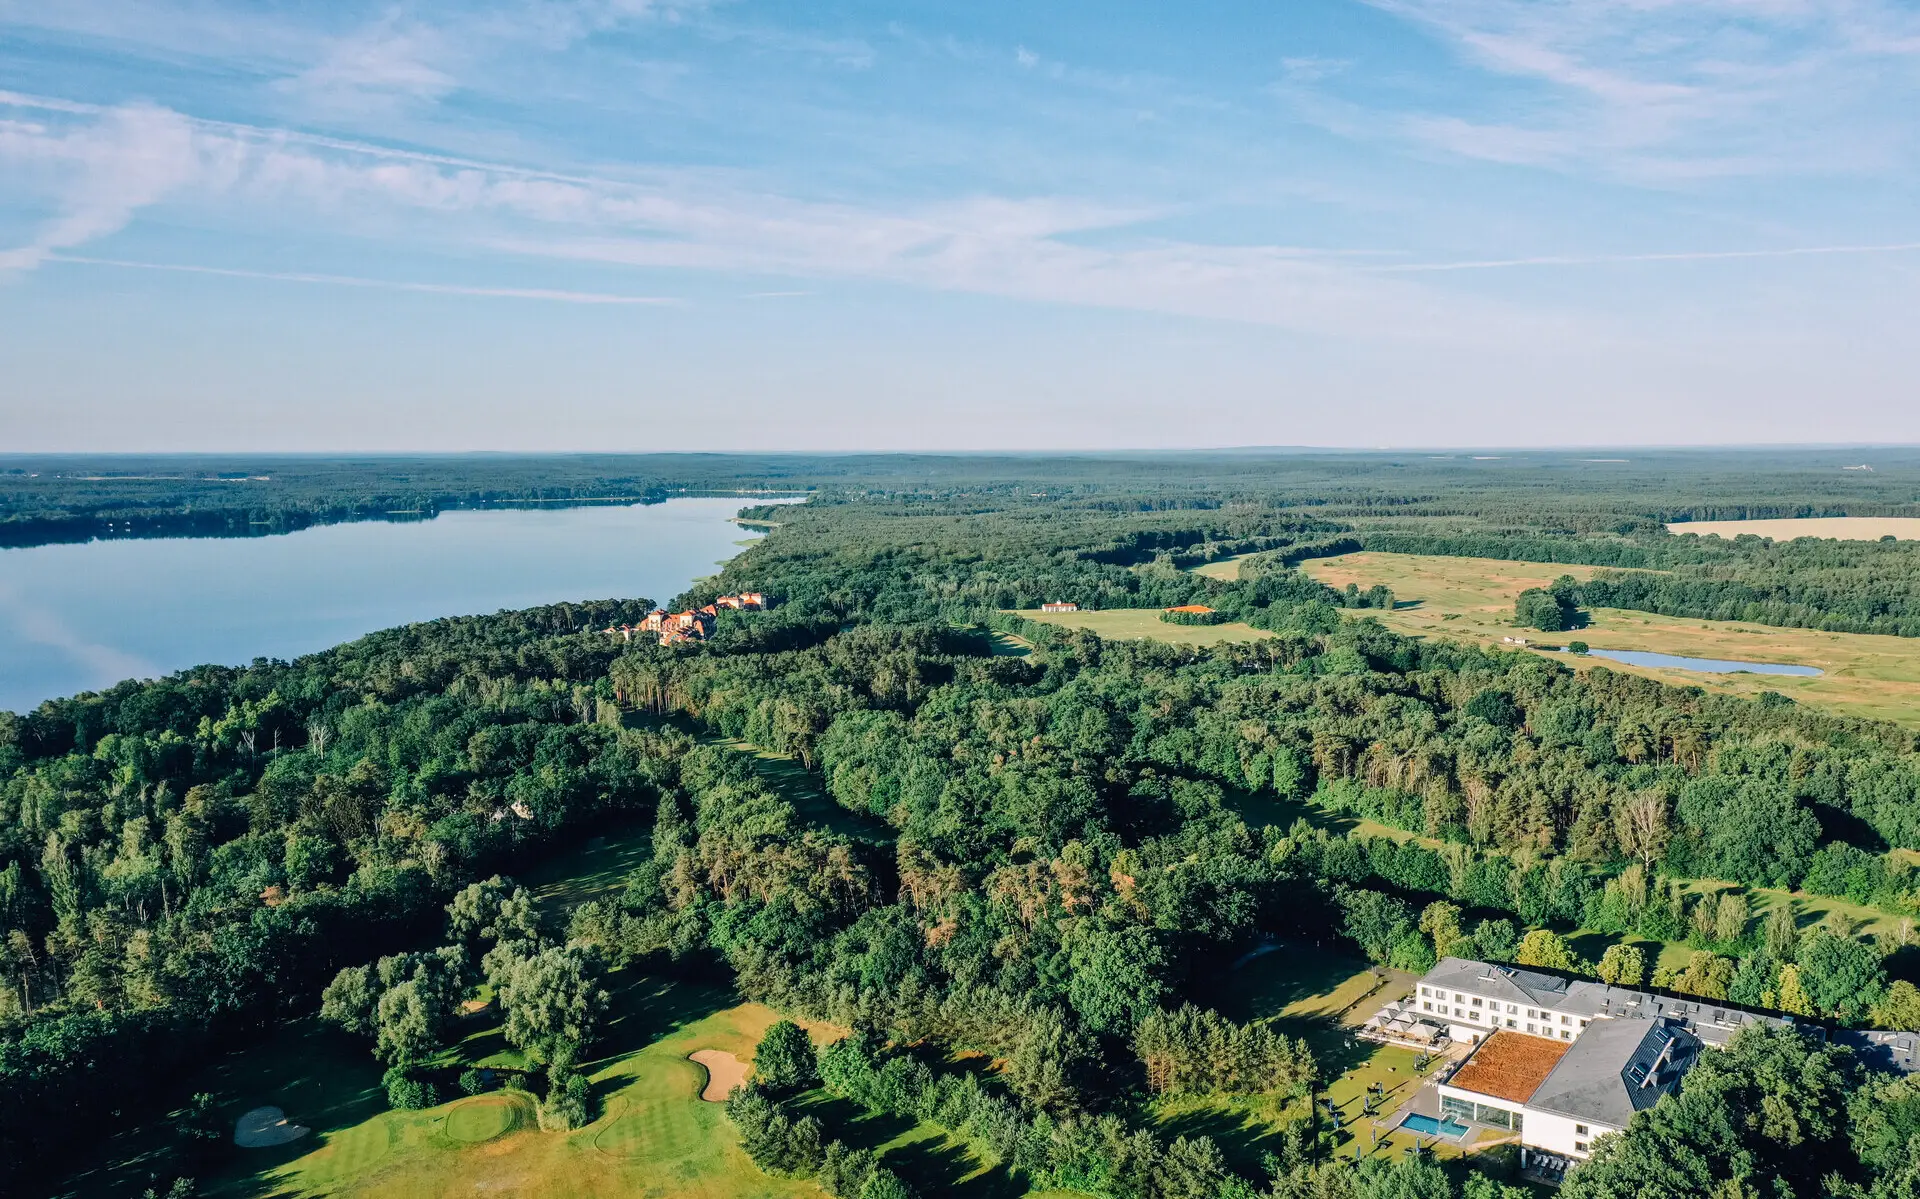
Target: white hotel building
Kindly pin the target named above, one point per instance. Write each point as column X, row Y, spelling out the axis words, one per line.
column 1559, row 1062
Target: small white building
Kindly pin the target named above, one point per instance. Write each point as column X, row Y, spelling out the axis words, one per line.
column 1058, row 606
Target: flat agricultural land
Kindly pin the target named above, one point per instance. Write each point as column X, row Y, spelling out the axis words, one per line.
column 1136, row 624
column 1471, row 599
column 1226, row 569
column 1842, row 528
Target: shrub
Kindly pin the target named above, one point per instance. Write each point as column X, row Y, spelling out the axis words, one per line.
column 471, row 1082
column 407, row 1093
column 569, row 1101
column 784, row 1060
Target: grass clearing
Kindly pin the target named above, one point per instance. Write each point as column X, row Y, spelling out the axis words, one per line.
column 1471, row 599
column 1321, row 995
column 1841, row 528
column 1226, row 570
column 1135, row 624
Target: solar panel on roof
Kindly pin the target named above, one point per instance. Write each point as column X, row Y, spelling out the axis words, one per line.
column 1638, row 1075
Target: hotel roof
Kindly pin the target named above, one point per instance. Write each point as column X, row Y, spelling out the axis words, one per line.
column 1713, row 1021
column 1617, row 1068
column 1510, row 1066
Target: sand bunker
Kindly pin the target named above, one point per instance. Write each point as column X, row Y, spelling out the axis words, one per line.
column 724, row 1072
column 265, row 1127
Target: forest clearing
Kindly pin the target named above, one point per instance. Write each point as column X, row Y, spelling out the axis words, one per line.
column 1145, row 623
column 1866, row 674
column 1845, row 528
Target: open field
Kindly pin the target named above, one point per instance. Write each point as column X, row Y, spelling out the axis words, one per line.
column 1121, row 624
column 1226, row 569
column 1472, row 599
column 1843, row 528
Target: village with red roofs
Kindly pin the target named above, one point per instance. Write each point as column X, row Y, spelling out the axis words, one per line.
column 695, row 624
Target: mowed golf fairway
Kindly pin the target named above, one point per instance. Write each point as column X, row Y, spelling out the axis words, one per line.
column 1135, row 624
column 1472, row 599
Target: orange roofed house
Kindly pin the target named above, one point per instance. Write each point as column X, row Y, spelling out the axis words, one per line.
column 1059, row 606
column 1196, row 609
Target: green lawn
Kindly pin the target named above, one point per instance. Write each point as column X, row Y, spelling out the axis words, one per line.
column 1124, row 624
column 1321, row 995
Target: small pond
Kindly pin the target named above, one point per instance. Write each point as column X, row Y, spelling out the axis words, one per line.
column 1636, row 657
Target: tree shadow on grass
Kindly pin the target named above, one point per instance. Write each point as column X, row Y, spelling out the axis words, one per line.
column 1244, row 1136
column 927, row 1156
column 323, row 1080
column 647, row 1007
column 1269, row 984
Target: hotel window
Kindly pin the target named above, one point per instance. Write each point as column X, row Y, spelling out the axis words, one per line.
column 1566, row 1019
column 1476, row 1002
column 1510, row 1022
column 1425, row 1006
column 1534, row 1029
column 1566, row 1034
column 1511, row 1009
column 1580, row 1130
column 1459, row 998
column 1579, row 1146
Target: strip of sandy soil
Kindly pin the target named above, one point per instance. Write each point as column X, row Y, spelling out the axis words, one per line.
column 724, row 1072
column 1844, row 528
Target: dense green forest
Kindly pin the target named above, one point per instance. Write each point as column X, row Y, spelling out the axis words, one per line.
column 1045, row 857
column 1541, row 506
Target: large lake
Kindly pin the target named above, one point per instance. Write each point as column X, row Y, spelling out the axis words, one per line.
column 81, row 617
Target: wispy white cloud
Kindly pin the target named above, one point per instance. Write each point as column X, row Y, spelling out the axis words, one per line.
column 444, row 289
column 1668, row 90
column 391, row 59
column 107, row 169
column 1030, row 248
column 1674, row 256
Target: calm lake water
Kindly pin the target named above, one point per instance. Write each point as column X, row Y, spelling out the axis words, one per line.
column 1635, row 657
column 81, row 617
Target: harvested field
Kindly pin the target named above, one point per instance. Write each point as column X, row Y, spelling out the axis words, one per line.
column 1471, row 599
column 1510, row 1065
column 724, row 1072
column 1842, row 528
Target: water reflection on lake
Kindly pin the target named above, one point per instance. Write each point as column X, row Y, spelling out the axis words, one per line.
column 80, row 617
column 1635, row 657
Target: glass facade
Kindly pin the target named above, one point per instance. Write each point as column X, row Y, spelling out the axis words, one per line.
column 1465, row 1109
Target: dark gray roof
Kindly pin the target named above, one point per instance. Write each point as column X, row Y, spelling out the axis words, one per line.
column 1616, row 1068
column 1511, row 984
column 1712, row 1021
column 1882, row 1050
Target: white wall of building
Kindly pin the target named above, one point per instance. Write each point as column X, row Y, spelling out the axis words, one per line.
column 1471, row 1017
column 1561, row 1134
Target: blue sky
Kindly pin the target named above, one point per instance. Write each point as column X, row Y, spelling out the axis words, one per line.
column 675, row 224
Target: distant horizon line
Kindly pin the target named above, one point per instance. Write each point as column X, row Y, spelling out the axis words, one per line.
column 1490, row 452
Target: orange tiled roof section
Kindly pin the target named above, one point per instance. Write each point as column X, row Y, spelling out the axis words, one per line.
column 1191, row 608
column 1510, row 1065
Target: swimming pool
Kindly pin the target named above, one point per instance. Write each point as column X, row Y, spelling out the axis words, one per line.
column 1427, row 1126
